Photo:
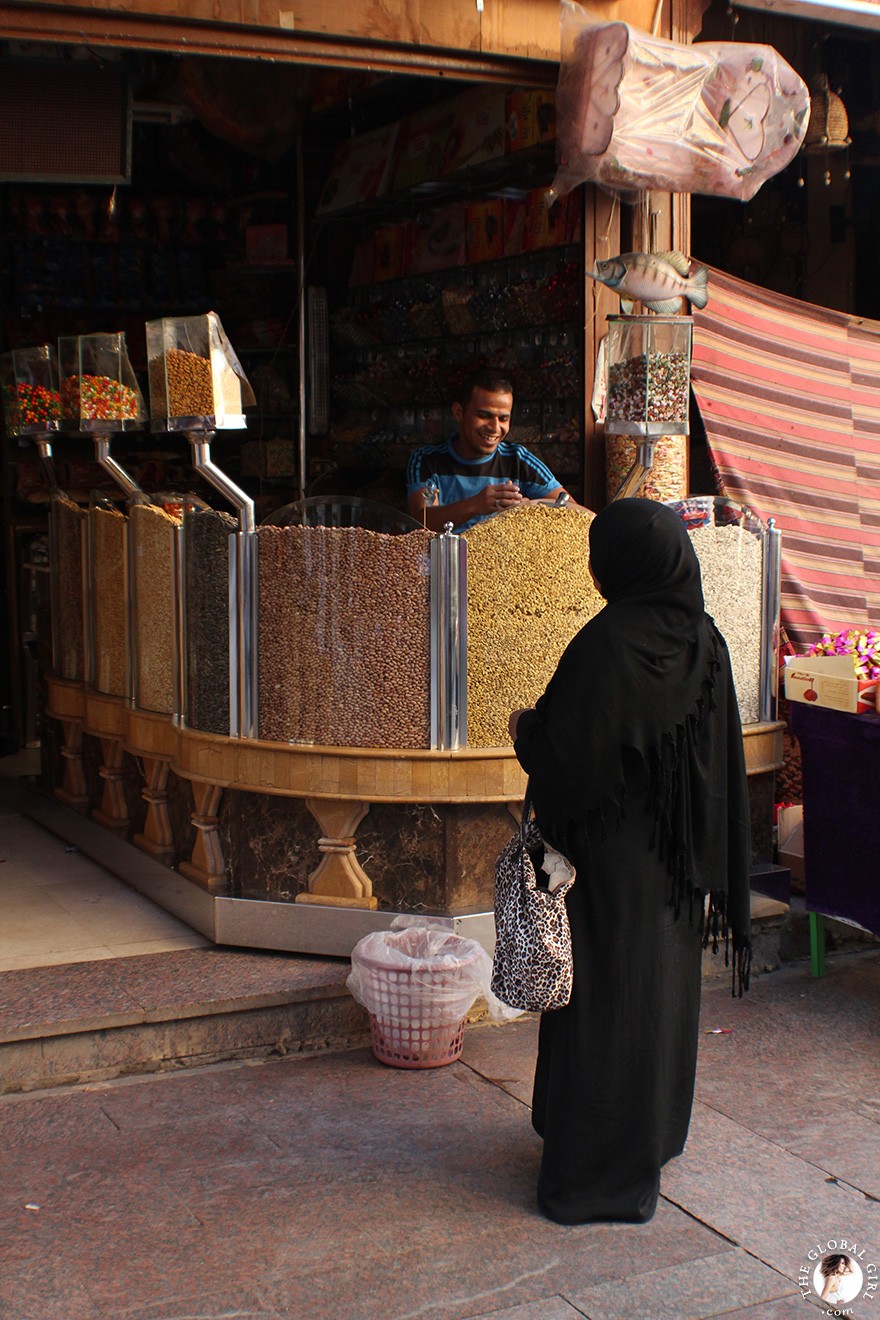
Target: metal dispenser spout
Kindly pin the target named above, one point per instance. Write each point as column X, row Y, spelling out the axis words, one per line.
column 638, row 473
column 44, row 448
column 119, row 475
column 204, row 464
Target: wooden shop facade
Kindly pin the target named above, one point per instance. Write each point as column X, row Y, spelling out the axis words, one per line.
column 297, row 737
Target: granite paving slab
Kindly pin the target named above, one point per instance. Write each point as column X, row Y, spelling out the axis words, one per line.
column 772, row 1203
column 787, row 1308
column 824, row 1025
column 843, row 1144
column 545, row 1308
column 506, row 1055
column 701, row 1288
column 392, row 1193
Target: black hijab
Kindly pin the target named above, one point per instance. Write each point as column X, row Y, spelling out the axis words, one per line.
column 649, row 675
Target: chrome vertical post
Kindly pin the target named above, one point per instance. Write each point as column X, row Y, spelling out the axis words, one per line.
column 448, row 641
column 301, row 315
column 182, row 696
column 770, row 593
column 243, row 694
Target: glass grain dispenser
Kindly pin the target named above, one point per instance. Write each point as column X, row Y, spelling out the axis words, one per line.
column 154, row 535
column 648, row 364
column 29, row 385
column 67, row 541
column 344, row 625
column 109, row 596
column 196, row 380
column 210, row 681
column 99, row 390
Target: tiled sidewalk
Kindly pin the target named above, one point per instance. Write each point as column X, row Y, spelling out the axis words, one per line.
column 60, row 907
column 332, row 1188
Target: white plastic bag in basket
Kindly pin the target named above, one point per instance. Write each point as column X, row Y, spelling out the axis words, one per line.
column 421, row 971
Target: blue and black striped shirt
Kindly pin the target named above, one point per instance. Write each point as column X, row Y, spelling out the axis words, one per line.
column 459, row 478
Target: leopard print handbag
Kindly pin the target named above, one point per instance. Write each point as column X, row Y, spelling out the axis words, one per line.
column 532, row 969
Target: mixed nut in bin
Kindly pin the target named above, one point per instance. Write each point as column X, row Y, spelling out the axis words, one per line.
column 345, row 624
column 107, row 531
column 196, row 380
column 529, row 592
column 648, row 364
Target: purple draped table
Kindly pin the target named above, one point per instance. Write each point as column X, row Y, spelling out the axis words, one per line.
column 840, row 759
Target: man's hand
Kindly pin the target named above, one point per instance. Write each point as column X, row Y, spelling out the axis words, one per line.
column 493, row 499
column 489, row 500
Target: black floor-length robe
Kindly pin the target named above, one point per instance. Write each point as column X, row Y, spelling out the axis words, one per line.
column 614, row 1079
column 636, row 770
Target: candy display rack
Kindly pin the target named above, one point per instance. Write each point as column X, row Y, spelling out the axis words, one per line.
column 100, row 397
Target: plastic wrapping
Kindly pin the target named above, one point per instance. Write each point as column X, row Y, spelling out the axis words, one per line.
column 638, row 112
column 418, row 974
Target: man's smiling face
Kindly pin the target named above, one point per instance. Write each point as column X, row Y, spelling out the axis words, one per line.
column 483, row 422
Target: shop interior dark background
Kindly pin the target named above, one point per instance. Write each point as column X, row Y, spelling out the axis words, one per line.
column 244, row 168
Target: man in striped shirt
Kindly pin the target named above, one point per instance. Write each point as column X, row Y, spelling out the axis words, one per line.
column 475, row 473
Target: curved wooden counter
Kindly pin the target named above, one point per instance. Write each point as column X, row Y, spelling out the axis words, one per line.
column 337, row 784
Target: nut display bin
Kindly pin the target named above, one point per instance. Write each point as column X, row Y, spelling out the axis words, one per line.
column 29, row 385
column 99, row 390
column 67, row 527
column 154, row 526
column 648, row 364
column 109, row 595
column 196, row 380
column 344, row 625
column 206, row 552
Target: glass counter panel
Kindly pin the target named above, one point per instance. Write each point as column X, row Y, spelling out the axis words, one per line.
column 730, row 548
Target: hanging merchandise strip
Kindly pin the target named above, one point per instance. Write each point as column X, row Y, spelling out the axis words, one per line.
column 790, row 397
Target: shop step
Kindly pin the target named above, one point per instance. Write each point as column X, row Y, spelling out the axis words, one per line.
column 82, row 1022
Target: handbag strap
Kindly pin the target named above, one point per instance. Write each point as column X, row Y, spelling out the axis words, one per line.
column 526, row 813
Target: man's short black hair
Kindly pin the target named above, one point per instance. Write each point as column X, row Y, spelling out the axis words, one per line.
column 493, row 382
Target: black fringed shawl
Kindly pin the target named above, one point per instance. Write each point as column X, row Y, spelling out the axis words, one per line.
column 650, row 673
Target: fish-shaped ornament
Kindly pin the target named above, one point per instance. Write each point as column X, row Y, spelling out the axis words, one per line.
column 658, row 280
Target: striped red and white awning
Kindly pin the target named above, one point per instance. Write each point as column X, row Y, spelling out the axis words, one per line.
column 790, row 397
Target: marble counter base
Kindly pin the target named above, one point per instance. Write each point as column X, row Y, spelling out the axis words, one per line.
column 382, row 831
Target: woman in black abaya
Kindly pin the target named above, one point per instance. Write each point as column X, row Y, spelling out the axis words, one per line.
column 635, row 763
